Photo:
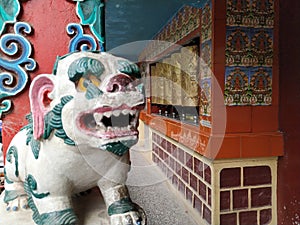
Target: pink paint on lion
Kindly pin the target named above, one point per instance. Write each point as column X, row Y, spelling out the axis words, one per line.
column 39, row 89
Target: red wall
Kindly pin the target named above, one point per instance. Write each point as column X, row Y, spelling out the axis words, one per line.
column 289, row 117
column 49, row 39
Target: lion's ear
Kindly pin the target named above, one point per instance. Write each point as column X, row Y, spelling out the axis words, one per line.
column 40, row 87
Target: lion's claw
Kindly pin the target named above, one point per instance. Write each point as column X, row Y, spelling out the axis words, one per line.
column 130, row 218
column 16, row 204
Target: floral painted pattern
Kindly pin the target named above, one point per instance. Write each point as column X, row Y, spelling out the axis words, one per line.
column 249, row 52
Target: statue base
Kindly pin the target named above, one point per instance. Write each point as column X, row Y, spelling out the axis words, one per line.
column 89, row 208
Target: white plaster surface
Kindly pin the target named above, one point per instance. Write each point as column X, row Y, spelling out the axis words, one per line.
column 90, row 210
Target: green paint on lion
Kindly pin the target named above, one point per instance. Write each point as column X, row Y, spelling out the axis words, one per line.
column 53, row 121
column 13, row 151
column 65, row 217
column 32, row 185
column 10, row 195
column 35, row 147
column 92, row 91
column 119, row 148
column 129, row 68
column 31, row 204
column 85, row 67
column 34, row 144
column 122, row 206
column 6, row 178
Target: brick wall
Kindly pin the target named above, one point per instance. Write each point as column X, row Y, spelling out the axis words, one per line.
column 220, row 192
column 189, row 175
column 246, row 195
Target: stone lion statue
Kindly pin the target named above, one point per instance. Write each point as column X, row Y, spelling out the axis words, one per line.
column 83, row 121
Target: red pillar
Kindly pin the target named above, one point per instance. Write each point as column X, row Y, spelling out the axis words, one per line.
column 49, row 40
column 289, row 117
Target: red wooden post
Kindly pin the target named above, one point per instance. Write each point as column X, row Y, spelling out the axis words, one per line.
column 49, row 40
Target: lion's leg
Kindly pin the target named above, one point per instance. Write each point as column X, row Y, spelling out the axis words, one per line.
column 50, row 200
column 14, row 173
column 54, row 210
column 121, row 210
column 15, row 196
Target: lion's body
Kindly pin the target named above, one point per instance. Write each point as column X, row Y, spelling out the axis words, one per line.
column 78, row 141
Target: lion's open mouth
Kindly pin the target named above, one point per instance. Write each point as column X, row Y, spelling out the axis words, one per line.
column 110, row 123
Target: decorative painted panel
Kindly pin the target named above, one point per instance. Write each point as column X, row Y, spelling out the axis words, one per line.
column 206, row 65
column 80, row 41
column 16, row 50
column 261, row 85
column 9, row 12
column 206, row 22
column 15, row 53
column 249, row 52
column 263, row 13
column 238, row 13
column 205, row 101
column 250, row 13
column 92, row 13
column 185, row 21
column 237, row 85
column 238, row 44
column 262, row 47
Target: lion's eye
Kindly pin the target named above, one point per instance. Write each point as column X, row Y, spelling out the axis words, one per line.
column 84, row 82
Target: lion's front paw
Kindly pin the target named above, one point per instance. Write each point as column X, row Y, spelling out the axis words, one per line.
column 129, row 218
column 125, row 212
column 18, row 203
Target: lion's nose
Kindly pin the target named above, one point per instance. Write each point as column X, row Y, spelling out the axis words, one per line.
column 120, row 83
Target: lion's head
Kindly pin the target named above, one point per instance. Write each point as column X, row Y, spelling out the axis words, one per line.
column 90, row 99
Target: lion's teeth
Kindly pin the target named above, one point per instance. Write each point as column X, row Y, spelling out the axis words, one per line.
column 107, row 114
column 109, row 129
column 123, row 128
column 98, row 117
column 125, row 111
column 100, row 126
column 116, row 113
column 132, row 112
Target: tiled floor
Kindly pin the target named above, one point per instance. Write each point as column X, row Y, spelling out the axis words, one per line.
column 151, row 190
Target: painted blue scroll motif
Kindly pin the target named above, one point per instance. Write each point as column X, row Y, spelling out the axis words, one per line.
column 91, row 13
column 80, row 41
column 15, row 62
column 9, row 10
